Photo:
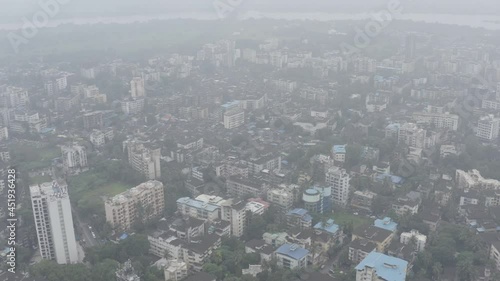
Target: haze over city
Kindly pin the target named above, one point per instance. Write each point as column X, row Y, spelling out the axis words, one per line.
column 249, row 140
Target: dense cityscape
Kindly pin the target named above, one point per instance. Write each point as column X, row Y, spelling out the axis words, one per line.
column 254, row 150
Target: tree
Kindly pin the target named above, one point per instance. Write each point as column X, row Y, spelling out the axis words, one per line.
column 437, row 270
column 465, row 267
column 104, row 270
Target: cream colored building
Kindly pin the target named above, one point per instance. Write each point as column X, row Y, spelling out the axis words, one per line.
column 147, row 199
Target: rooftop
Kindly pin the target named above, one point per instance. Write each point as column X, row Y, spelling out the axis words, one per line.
column 293, row 251
column 329, row 226
column 197, row 204
column 386, row 223
column 387, row 267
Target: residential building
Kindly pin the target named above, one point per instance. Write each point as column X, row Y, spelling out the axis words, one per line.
column 318, row 199
column 447, row 150
column 238, row 218
column 74, row 158
column 93, row 120
column 175, row 270
column 411, row 135
column 363, row 199
column 142, row 202
column 380, row 267
column 487, row 128
column 4, row 133
column 162, row 244
column 386, row 223
column 381, row 237
column 403, row 206
column 299, row 218
column 438, row 120
column 360, row 248
column 270, row 161
column 339, row 153
column 282, row 197
column 239, row 186
column 144, row 159
column 54, row 222
column 132, row 106
column 339, row 179
column 97, row 138
column 198, row 252
column 198, row 209
column 414, row 235
column 392, row 130
column 234, row 118
column 473, row 180
column 137, row 87
column 292, row 256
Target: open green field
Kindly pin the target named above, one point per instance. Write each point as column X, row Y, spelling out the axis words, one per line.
column 31, row 158
column 343, row 217
column 89, row 189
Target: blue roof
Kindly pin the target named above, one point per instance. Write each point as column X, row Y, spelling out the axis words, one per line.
column 393, row 126
column 394, row 179
column 386, row 223
column 123, row 236
column 386, row 267
column 293, row 251
column 300, row 212
column 329, row 227
column 339, row 148
column 197, row 204
column 230, row 104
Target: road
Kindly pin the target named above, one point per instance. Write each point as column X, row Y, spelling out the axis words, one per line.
column 85, row 232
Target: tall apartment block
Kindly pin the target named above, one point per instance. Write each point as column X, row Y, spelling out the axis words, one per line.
column 143, row 159
column 146, row 200
column 74, row 158
column 54, row 222
column 137, row 88
column 338, row 179
column 488, row 127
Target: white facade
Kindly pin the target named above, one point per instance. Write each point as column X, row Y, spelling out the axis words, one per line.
column 97, row 138
column 238, row 219
column 175, row 270
column 412, row 135
column 137, row 88
column 420, row 239
column 54, row 222
column 474, row 180
column 339, row 179
column 487, row 128
column 234, row 118
column 439, row 120
column 123, row 210
column 74, row 157
column 4, row 133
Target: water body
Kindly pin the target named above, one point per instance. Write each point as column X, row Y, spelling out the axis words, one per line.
column 488, row 22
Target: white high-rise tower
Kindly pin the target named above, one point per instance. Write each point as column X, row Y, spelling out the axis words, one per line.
column 54, row 222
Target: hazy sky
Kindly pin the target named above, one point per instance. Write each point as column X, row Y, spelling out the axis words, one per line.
column 13, row 10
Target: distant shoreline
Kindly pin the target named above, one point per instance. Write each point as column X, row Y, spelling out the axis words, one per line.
column 490, row 22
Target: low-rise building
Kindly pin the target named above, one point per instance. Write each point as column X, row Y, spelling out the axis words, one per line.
column 198, row 209
column 175, row 270
column 299, row 218
column 360, row 248
column 291, row 256
column 381, row 237
column 380, row 267
column 414, row 235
